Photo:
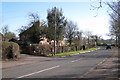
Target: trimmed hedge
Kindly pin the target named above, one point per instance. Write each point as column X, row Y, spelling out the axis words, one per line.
column 10, row 50
column 61, row 49
column 24, row 48
column 44, row 50
column 38, row 49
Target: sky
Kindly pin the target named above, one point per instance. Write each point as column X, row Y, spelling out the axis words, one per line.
column 15, row 15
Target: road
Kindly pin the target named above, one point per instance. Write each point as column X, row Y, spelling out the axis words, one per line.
column 68, row 67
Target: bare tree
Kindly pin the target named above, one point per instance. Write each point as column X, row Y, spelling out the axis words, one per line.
column 115, row 23
column 34, row 17
column 7, row 35
column 114, row 27
column 78, row 38
column 88, row 34
column 70, row 30
column 43, row 23
column 115, row 20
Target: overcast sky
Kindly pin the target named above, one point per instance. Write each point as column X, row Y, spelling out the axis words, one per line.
column 15, row 15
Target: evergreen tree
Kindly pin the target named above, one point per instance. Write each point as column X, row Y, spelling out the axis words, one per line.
column 60, row 24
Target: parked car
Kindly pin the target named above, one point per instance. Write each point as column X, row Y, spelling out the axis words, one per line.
column 108, row 46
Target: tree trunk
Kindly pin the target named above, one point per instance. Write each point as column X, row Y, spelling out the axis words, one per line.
column 116, row 40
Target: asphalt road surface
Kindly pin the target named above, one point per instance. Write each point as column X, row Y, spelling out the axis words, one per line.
column 68, row 67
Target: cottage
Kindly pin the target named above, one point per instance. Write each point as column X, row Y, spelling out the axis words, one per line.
column 32, row 34
column 43, row 41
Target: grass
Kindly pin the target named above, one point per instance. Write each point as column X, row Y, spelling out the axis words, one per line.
column 73, row 52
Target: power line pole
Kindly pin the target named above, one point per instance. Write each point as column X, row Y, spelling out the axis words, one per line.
column 118, row 24
column 55, row 33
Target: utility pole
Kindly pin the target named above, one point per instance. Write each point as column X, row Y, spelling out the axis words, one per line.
column 119, row 29
column 118, row 24
column 55, row 33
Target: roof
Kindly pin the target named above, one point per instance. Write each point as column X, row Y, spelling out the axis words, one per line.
column 36, row 24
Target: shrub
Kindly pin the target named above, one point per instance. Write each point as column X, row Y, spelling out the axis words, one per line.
column 73, row 48
column 38, row 49
column 66, row 48
column 24, row 48
column 61, row 49
column 47, row 49
column 10, row 50
column 89, row 46
column 79, row 47
column 44, row 50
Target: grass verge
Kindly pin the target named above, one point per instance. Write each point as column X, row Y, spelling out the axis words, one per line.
column 73, row 52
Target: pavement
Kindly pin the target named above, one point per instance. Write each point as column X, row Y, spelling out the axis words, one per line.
column 25, row 59
column 109, row 67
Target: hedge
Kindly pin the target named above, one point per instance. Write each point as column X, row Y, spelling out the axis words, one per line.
column 38, row 49
column 24, row 48
column 44, row 50
column 61, row 49
column 10, row 50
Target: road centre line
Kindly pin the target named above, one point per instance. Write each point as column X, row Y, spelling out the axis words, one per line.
column 80, row 59
column 43, row 70
column 75, row 60
column 39, row 71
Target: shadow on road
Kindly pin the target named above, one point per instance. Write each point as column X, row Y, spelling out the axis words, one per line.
column 109, row 69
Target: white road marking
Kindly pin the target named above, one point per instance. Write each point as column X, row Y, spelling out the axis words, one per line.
column 47, row 70
column 39, row 71
column 43, row 70
column 76, row 60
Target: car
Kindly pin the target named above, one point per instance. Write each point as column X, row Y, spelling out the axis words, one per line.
column 108, row 46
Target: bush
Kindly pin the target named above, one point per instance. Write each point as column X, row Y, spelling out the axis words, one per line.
column 80, row 47
column 66, row 48
column 44, row 50
column 89, row 46
column 73, row 48
column 24, row 48
column 59, row 49
column 38, row 49
column 10, row 50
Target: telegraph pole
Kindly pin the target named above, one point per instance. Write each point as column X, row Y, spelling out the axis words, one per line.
column 55, row 33
column 118, row 24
